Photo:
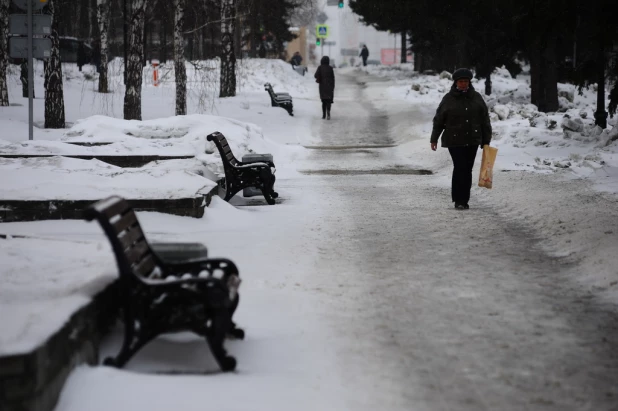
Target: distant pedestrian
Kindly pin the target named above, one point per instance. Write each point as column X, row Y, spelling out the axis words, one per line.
column 23, row 76
column 296, row 59
column 325, row 76
column 364, row 54
column 463, row 120
column 81, row 55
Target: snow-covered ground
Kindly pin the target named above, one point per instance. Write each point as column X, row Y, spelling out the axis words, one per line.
column 44, row 279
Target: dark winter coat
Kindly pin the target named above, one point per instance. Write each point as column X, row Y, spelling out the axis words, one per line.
column 296, row 60
column 464, row 119
column 364, row 52
column 325, row 75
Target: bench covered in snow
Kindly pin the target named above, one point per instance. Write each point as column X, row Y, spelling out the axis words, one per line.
column 283, row 100
column 239, row 175
column 167, row 287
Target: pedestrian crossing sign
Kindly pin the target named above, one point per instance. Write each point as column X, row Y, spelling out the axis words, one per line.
column 321, row 31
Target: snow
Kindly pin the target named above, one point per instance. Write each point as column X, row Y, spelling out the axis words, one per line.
column 48, row 269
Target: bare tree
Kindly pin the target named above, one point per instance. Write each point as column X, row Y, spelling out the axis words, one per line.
column 179, row 58
column 103, row 12
column 305, row 12
column 133, row 92
column 4, row 51
column 227, row 86
column 54, row 94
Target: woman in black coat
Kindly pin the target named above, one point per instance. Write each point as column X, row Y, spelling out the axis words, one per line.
column 325, row 76
column 462, row 119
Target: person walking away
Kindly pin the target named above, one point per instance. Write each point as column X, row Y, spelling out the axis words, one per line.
column 462, row 118
column 364, row 54
column 325, row 76
column 81, row 55
column 23, row 76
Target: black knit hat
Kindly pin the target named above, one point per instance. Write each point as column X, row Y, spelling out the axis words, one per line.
column 462, row 73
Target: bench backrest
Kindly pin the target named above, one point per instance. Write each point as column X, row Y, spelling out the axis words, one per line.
column 118, row 220
column 224, row 149
column 268, row 87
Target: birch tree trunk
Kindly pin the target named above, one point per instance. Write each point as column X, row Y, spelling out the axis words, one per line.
column 179, row 58
column 103, row 8
column 228, row 57
column 54, row 95
column 133, row 93
column 4, row 51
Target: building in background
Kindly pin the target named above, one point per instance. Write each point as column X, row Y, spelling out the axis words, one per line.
column 347, row 35
column 298, row 44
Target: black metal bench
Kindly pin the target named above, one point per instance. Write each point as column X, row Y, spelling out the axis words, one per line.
column 167, row 287
column 239, row 175
column 283, row 100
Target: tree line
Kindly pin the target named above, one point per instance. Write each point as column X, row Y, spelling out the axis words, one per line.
column 137, row 30
column 571, row 41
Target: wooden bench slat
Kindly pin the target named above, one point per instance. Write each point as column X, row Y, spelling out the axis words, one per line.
column 145, row 267
column 116, row 206
column 126, row 221
column 137, row 251
column 131, row 236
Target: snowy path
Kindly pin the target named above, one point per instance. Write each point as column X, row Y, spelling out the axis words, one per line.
column 443, row 316
column 389, row 300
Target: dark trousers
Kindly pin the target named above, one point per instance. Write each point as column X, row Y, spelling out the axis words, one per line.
column 463, row 161
column 364, row 61
column 326, row 104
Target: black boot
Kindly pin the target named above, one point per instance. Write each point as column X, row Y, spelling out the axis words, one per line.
column 328, row 112
column 323, row 111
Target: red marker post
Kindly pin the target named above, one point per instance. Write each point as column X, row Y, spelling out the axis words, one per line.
column 155, row 72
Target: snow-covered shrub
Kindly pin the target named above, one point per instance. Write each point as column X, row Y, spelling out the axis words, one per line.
column 540, row 120
column 564, row 104
column 528, row 111
column 446, row 75
column 567, row 93
column 502, row 111
column 502, row 72
column 572, row 124
column 607, row 137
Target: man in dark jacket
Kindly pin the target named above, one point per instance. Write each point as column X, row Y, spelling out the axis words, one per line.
column 463, row 120
column 296, row 59
column 364, row 54
column 325, row 76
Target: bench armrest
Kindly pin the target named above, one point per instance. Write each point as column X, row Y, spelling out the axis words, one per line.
column 201, row 272
column 249, row 165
